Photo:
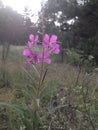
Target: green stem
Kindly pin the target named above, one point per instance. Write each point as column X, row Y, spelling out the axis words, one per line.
column 41, row 75
column 42, row 65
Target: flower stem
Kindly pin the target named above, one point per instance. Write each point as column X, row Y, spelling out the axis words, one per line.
column 42, row 65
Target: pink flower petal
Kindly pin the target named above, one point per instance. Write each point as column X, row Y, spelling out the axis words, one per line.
column 46, row 54
column 46, row 39
column 29, row 44
column 31, row 37
column 48, row 61
column 57, row 46
column 56, row 51
column 28, row 63
column 39, row 54
column 36, row 39
column 26, row 52
column 44, row 45
column 53, row 39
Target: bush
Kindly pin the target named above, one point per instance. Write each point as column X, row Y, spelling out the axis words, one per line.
column 72, row 56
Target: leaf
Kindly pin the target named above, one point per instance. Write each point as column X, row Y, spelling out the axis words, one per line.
column 24, row 115
column 35, row 118
column 43, row 78
column 29, row 75
column 15, row 107
column 27, row 124
column 36, row 70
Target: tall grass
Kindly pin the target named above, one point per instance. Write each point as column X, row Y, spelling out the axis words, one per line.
column 69, row 99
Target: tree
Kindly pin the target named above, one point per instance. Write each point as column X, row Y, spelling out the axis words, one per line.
column 86, row 28
column 14, row 27
column 57, row 13
column 29, row 26
column 83, row 28
column 11, row 25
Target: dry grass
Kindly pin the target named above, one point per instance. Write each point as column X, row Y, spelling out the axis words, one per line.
column 60, row 74
column 63, row 81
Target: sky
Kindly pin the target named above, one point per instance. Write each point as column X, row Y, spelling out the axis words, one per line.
column 18, row 5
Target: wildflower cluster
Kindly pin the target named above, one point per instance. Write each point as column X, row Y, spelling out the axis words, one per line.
column 49, row 47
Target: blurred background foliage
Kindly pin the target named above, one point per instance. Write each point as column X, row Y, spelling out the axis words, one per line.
column 74, row 21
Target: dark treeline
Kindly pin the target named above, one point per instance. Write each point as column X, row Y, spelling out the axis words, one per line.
column 78, row 24
column 14, row 27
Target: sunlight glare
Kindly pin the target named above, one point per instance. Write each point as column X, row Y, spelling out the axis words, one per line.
column 19, row 5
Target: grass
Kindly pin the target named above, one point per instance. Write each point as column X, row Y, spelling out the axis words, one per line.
column 64, row 85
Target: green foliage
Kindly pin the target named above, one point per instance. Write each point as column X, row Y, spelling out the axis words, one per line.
column 68, row 99
column 14, row 27
column 77, row 24
column 72, row 106
column 25, row 115
column 72, row 57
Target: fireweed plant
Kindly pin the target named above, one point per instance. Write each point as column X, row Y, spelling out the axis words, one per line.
column 49, row 46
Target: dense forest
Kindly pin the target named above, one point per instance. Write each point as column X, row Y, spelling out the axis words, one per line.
column 15, row 27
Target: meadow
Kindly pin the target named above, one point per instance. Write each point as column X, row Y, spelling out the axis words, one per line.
column 68, row 100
